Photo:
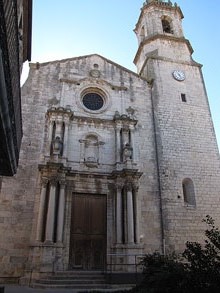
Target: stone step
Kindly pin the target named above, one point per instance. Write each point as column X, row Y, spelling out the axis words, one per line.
column 70, row 286
column 79, row 280
column 82, row 277
column 77, row 276
column 73, row 280
column 70, row 281
column 78, row 272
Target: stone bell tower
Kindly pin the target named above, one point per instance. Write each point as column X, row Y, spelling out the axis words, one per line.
column 186, row 147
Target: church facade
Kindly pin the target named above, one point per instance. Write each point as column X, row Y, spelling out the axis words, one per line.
column 113, row 164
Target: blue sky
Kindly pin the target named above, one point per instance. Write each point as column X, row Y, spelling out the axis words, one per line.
column 70, row 28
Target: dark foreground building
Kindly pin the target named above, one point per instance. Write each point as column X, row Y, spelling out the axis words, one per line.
column 15, row 48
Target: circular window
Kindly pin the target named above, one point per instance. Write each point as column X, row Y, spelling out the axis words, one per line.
column 93, row 101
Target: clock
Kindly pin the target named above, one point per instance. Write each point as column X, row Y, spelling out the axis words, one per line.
column 179, row 75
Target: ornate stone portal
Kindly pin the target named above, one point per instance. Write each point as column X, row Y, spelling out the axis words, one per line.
column 73, row 227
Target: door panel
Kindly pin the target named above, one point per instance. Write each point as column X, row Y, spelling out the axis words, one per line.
column 88, row 232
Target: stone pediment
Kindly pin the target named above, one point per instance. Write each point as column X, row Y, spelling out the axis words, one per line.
column 93, row 73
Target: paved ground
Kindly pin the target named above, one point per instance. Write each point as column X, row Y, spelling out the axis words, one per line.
column 22, row 289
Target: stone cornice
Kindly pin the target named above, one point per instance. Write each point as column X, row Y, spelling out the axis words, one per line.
column 121, row 119
column 95, row 120
column 94, row 81
column 60, row 111
column 82, row 174
column 150, row 57
column 134, row 173
column 161, row 37
column 58, row 167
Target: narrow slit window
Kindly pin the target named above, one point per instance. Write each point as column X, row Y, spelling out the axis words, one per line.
column 142, row 33
column 183, row 97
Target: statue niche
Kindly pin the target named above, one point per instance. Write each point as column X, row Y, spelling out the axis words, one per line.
column 91, row 154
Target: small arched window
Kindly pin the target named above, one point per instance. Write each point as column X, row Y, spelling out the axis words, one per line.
column 167, row 25
column 188, row 192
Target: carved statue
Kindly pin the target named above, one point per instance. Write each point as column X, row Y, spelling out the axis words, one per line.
column 127, row 152
column 57, row 146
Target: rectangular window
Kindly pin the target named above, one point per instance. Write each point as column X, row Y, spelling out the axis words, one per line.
column 183, row 97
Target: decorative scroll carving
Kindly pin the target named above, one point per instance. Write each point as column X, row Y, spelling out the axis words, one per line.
column 44, row 181
column 120, row 185
column 135, row 187
column 128, row 186
column 62, row 183
column 53, row 180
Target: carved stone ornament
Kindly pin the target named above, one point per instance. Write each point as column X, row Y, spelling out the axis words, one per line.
column 62, row 183
column 44, row 181
column 117, row 115
column 136, row 187
column 119, row 185
column 53, row 180
column 129, row 186
column 131, row 112
column 91, row 162
column 95, row 73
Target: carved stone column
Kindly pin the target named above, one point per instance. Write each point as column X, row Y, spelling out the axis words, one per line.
column 132, row 142
column 118, row 144
column 65, row 140
column 51, row 212
column 119, row 213
column 41, row 209
column 130, row 214
column 50, row 136
column 136, row 213
column 61, row 208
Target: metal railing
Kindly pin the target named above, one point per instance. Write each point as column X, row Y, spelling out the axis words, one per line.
column 119, row 263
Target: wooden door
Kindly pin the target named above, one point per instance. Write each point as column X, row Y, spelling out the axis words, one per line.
column 88, row 232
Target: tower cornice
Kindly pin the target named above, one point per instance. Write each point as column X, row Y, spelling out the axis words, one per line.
column 161, row 37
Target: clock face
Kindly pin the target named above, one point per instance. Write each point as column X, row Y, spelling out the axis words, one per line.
column 178, row 75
